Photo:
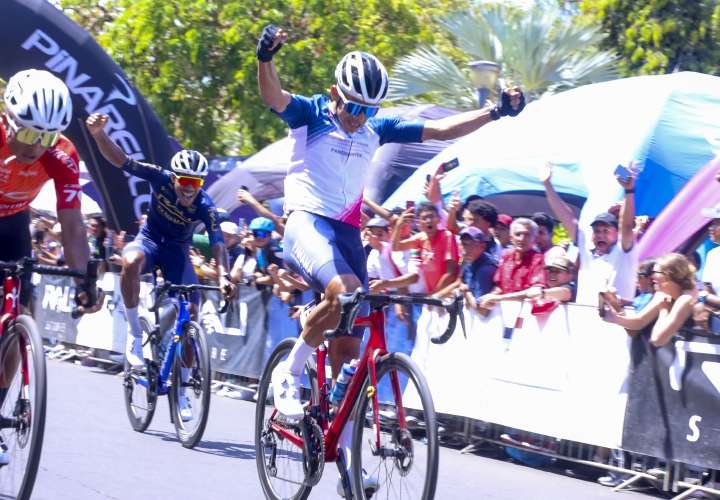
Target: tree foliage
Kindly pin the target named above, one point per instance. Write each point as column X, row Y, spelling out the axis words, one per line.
column 195, row 60
column 539, row 49
column 658, row 36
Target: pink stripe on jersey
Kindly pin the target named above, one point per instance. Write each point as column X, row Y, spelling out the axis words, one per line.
column 352, row 214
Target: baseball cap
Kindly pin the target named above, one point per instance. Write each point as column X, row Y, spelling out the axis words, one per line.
column 504, row 219
column 474, row 233
column 229, row 227
column 712, row 212
column 559, row 262
column 377, row 222
column 605, row 218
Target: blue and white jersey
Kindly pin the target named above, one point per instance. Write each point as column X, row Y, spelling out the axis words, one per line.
column 328, row 166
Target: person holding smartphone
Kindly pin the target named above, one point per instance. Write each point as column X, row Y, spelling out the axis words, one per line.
column 609, row 255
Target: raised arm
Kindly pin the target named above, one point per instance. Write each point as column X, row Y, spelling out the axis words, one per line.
column 627, row 211
column 512, row 102
column 562, row 210
column 244, row 196
column 111, row 152
column 408, row 243
column 271, row 90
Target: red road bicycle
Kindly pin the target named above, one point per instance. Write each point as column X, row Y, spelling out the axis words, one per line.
column 22, row 378
column 399, row 445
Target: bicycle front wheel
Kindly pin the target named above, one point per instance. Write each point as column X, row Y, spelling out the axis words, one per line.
column 22, row 410
column 190, row 390
column 403, row 463
column 280, row 463
column 140, row 388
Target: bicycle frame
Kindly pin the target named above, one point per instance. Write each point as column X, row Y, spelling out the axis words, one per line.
column 375, row 348
column 164, row 374
column 11, row 294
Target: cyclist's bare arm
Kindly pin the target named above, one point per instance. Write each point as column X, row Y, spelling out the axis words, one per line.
column 74, row 238
column 271, row 90
column 110, row 151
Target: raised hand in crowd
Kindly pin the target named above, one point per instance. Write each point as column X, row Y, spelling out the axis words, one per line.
column 431, row 190
column 545, row 172
column 244, row 196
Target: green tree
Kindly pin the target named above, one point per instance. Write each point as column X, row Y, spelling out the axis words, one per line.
column 539, row 49
column 658, row 36
column 195, row 60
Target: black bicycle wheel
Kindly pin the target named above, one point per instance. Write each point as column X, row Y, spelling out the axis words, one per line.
column 191, row 379
column 280, row 462
column 141, row 398
column 23, row 408
column 404, row 466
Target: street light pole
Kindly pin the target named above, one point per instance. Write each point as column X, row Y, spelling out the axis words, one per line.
column 484, row 78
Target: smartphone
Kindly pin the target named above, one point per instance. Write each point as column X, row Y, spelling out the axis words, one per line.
column 449, row 165
column 623, row 173
column 427, row 178
column 409, row 204
column 242, row 224
column 244, row 188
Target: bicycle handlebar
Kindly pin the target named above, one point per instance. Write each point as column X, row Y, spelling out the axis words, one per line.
column 349, row 303
column 168, row 287
column 29, row 266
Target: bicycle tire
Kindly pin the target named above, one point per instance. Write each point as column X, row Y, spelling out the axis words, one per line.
column 264, row 404
column 138, row 415
column 396, row 362
column 35, row 411
column 193, row 338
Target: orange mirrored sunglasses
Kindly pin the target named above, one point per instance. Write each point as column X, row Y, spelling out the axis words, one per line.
column 195, row 182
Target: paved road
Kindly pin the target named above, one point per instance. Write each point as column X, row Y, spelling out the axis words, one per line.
column 91, row 452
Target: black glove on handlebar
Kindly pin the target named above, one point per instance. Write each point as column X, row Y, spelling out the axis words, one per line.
column 265, row 52
column 504, row 107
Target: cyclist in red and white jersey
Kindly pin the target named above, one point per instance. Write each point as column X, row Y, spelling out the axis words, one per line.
column 32, row 151
column 334, row 139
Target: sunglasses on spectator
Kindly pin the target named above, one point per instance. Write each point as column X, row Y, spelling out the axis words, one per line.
column 31, row 137
column 658, row 271
column 644, row 275
column 195, row 182
column 261, row 234
column 356, row 109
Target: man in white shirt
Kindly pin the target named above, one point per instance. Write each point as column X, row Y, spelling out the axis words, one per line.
column 608, row 256
column 711, row 270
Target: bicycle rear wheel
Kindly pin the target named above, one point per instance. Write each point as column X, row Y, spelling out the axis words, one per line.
column 140, row 389
column 406, row 463
column 192, row 356
column 280, row 462
column 22, row 412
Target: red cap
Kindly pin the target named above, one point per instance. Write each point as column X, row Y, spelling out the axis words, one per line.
column 504, row 219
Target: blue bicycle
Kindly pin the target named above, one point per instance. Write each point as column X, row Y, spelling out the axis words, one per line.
column 178, row 365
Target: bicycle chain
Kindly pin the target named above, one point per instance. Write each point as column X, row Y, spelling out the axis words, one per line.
column 313, row 451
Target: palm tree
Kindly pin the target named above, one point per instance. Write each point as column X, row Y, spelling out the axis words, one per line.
column 539, row 49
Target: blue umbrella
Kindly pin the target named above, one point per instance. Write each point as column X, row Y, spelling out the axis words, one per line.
column 668, row 123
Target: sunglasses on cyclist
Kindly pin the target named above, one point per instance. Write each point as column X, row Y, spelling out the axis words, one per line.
column 261, row 234
column 356, row 109
column 195, row 182
column 31, row 137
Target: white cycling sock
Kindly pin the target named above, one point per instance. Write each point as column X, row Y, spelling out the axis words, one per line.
column 133, row 319
column 345, row 442
column 300, row 353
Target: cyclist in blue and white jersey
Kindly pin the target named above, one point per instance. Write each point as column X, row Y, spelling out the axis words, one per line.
column 177, row 204
column 334, row 139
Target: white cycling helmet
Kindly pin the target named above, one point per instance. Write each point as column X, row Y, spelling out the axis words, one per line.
column 38, row 100
column 362, row 77
column 189, row 162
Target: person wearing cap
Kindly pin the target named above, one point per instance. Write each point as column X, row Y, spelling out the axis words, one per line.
column 501, row 230
column 609, row 256
column 259, row 253
column 520, row 268
column 477, row 268
column 377, row 235
column 560, row 284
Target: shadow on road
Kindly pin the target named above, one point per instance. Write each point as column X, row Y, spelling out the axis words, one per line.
column 217, row 448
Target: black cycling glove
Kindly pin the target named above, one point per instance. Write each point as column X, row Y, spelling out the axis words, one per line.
column 264, row 51
column 504, row 107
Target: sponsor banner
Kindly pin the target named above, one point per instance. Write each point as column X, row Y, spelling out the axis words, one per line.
column 543, row 374
column 238, row 337
column 54, row 301
column 674, row 406
column 35, row 34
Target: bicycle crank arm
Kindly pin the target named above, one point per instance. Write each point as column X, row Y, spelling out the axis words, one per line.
column 10, row 423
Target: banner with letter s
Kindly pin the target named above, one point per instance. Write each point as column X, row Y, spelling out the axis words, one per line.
column 35, row 34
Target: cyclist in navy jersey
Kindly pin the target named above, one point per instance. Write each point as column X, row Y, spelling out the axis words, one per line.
column 334, row 139
column 177, row 204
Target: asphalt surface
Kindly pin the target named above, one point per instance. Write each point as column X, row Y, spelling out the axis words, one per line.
column 91, row 452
